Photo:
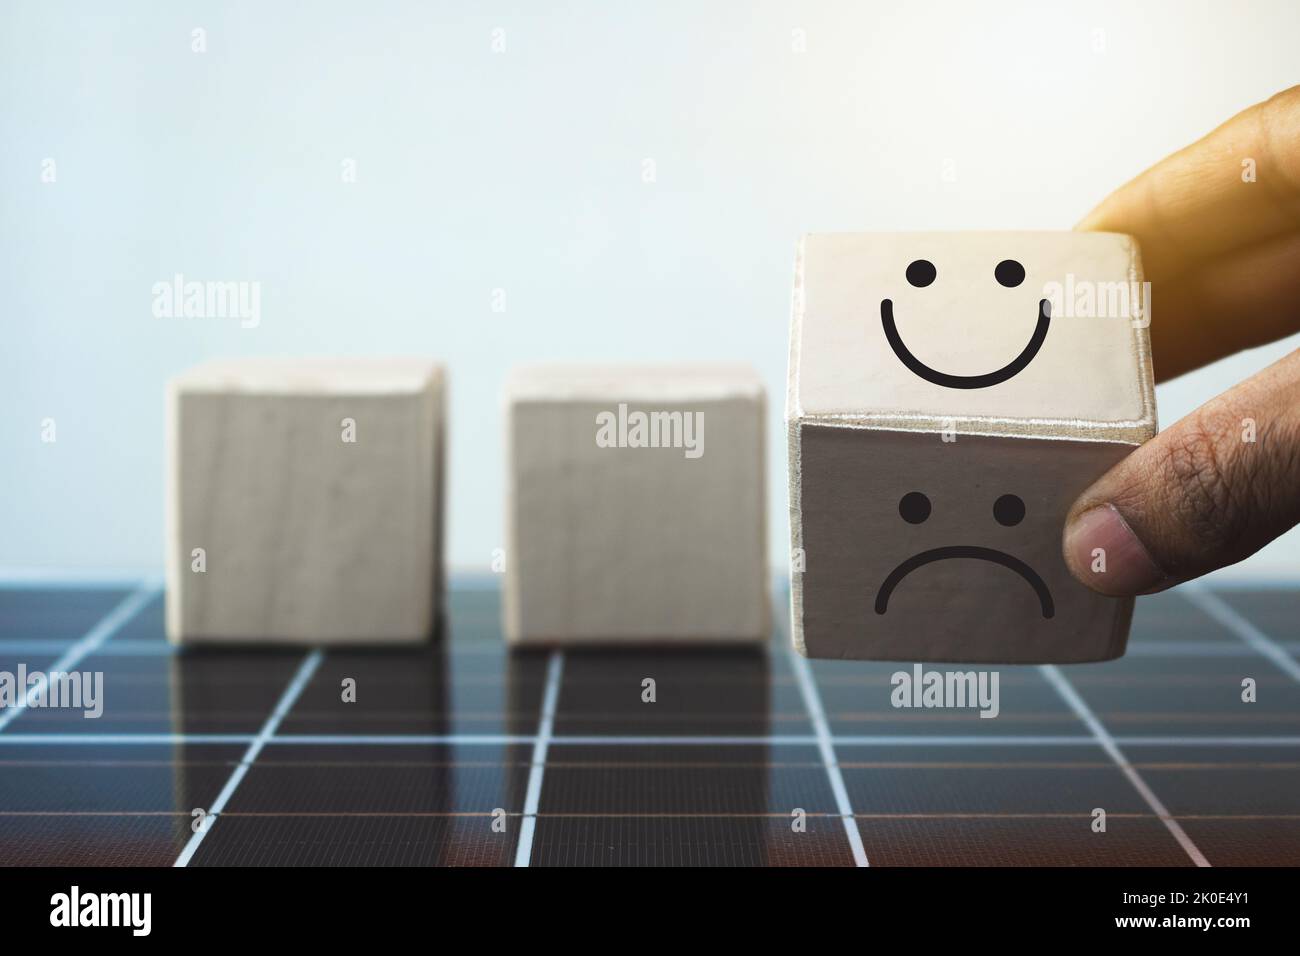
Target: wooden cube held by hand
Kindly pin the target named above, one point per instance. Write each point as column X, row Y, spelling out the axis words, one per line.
column 950, row 395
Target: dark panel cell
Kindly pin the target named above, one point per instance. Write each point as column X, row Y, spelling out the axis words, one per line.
column 1034, row 841
column 688, row 841
column 357, row 841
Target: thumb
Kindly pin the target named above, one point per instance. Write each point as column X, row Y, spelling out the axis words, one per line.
column 1206, row 492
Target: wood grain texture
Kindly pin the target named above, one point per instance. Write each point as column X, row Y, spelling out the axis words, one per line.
column 307, row 538
column 635, row 544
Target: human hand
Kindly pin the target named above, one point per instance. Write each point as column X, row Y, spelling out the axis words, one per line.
column 1218, row 224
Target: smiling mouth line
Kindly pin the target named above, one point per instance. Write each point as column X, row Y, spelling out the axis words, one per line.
column 965, row 381
column 965, row 551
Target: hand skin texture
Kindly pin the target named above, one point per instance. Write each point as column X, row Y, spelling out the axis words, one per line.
column 1223, row 258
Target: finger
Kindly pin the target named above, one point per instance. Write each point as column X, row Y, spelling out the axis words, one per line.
column 1202, row 205
column 1243, row 300
column 1195, row 205
column 1207, row 492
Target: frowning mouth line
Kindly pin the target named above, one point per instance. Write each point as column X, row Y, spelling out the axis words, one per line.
column 936, row 377
column 966, row 551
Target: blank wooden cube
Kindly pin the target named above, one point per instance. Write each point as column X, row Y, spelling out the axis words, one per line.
column 636, row 505
column 950, row 395
column 304, row 501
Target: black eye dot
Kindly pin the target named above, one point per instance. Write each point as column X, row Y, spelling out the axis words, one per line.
column 921, row 273
column 1009, row 510
column 1009, row 273
column 914, row 507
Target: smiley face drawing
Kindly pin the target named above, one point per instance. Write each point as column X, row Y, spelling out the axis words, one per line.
column 1008, row 511
column 1009, row 274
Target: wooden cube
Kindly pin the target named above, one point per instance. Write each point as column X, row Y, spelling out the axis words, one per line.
column 304, row 501
column 636, row 506
column 950, row 395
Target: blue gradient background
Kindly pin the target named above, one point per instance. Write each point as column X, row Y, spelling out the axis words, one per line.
column 522, row 171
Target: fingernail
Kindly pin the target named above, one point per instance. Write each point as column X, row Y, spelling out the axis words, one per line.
column 1105, row 554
